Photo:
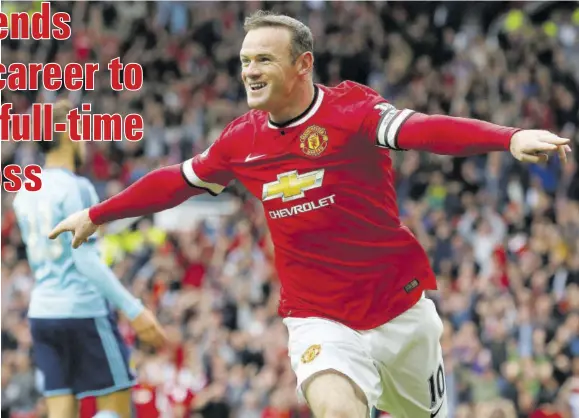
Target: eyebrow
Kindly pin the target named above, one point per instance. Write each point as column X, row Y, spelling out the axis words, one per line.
column 257, row 56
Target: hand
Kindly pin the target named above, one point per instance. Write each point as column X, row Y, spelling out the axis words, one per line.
column 148, row 329
column 533, row 146
column 79, row 224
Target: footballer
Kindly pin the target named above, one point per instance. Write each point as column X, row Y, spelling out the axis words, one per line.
column 76, row 343
column 353, row 277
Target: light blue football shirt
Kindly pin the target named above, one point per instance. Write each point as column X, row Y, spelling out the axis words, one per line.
column 70, row 283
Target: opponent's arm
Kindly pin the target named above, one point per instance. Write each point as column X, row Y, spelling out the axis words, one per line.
column 88, row 263
column 142, row 320
column 87, row 260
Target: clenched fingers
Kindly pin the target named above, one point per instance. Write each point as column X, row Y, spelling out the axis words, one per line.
column 562, row 154
column 77, row 241
column 542, row 146
column 538, row 158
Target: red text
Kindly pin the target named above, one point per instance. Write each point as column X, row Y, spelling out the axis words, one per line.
column 50, row 76
column 23, row 25
column 14, row 177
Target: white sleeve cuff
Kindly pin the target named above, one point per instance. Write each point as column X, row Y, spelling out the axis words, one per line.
column 195, row 181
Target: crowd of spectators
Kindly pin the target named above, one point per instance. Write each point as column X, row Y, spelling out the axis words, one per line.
column 503, row 238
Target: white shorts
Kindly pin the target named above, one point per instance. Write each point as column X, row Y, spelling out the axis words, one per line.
column 397, row 365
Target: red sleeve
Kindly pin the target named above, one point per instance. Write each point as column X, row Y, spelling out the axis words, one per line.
column 405, row 129
column 160, row 189
column 210, row 171
column 170, row 186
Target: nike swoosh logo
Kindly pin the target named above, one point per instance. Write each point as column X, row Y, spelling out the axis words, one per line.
column 255, row 157
column 435, row 413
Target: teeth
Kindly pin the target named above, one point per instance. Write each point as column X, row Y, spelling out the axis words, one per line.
column 257, row 86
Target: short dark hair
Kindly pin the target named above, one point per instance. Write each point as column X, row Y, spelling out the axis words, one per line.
column 302, row 38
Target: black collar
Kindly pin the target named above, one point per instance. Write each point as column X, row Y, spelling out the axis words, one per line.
column 289, row 122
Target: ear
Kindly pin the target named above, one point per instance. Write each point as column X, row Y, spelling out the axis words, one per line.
column 305, row 63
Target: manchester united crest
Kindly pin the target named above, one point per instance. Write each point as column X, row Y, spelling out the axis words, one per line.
column 314, row 141
column 311, row 353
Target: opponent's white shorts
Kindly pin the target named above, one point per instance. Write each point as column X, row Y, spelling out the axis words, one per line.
column 397, row 365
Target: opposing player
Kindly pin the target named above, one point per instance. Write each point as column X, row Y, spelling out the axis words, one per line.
column 76, row 344
column 361, row 332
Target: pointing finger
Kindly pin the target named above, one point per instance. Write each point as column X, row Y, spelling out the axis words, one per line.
column 59, row 229
column 554, row 139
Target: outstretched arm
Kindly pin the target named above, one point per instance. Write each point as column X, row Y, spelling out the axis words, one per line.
column 447, row 135
column 453, row 136
column 463, row 137
column 160, row 189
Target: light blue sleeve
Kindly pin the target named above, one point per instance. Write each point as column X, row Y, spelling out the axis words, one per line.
column 88, row 263
column 87, row 260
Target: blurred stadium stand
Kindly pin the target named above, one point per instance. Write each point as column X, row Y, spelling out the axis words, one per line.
column 503, row 238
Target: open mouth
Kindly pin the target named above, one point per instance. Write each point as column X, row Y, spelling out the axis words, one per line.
column 257, row 86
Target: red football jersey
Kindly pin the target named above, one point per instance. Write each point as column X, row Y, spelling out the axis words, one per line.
column 180, row 401
column 327, row 186
column 145, row 401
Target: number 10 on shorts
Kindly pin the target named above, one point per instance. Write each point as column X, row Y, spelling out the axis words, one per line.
column 437, row 384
